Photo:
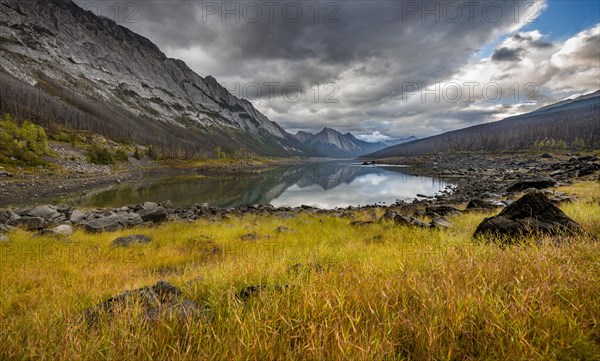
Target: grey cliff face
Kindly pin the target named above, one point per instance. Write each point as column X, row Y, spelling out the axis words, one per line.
column 49, row 44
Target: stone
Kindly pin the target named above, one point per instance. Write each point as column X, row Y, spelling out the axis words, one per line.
column 440, row 222
column 361, row 223
column 283, row 229
column 481, row 204
column 587, row 170
column 251, row 291
column 532, row 213
column 28, row 223
column 77, row 217
column 160, row 300
column 47, row 212
column 410, row 221
column 389, row 215
column 130, row 240
column 63, row 230
column 537, row 183
column 113, row 222
column 156, row 214
column 5, row 216
column 3, row 238
column 150, row 205
column 249, row 237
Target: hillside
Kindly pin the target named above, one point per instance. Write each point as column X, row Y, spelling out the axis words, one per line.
column 62, row 66
column 572, row 122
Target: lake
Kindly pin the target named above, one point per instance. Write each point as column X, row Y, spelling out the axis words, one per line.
column 324, row 185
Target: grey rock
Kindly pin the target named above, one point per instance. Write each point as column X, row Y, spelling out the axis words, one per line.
column 283, row 229
column 160, row 300
column 5, row 216
column 156, row 214
column 440, row 222
column 47, row 212
column 410, row 221
column 537, row 183
column 3, row 238
column 130, row 240
column 113, row 222
column 533, row 213
column 27, row 222
column 64, row 230
column 150, row 205
column 77, row 217
column 481, row 204
column 389, row 215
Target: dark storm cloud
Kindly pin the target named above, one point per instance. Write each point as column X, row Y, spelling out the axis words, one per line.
column 369, row 49
column 529, row 41
column 506, row 54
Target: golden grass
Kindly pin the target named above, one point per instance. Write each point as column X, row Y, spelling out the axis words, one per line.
column 382, row 292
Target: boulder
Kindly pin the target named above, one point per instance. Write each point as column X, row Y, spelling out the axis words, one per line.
column 533, row 213
column 77, row 217
column 150, row 205
column 587, row 170
column 537, row 183
column 389, row 215
column 63, row 230
column 481, row 204
column 160, row 300
column 156, row 214
column 410, row 221
column 47, row 212
column 113, row 222
column 27, row 222
column 5, row 216
column 440, row 222
column 129, row 240
column 3, row 238
column 283, row 229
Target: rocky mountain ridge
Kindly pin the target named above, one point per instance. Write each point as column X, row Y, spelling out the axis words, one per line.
column 331, row 142
column 89, row 73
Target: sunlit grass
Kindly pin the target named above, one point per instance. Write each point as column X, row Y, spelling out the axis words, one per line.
column 380, row 291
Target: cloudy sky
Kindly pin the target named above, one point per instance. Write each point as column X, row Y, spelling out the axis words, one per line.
column 380, row 69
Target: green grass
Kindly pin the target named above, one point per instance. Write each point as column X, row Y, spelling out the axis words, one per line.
column 384, row 292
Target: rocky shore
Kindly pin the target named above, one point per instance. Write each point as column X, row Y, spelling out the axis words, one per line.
column 482, row 182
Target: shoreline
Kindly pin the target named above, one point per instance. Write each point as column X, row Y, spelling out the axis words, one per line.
column 489, row 182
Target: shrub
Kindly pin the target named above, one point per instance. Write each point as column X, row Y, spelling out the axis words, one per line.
column 121, row 155
column 98, row 155
column 136, row 153
column 24, row 144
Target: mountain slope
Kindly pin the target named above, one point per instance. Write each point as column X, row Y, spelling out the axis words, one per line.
column 62, row 65
column 570, row 121
column 331, row 143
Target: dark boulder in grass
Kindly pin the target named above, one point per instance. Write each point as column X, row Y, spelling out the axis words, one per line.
column 481, row 204
column 537, row 183
column 160, row 300
column 130, row 240
column 533, row 213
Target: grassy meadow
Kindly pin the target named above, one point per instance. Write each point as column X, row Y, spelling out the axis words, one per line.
column 373, row 292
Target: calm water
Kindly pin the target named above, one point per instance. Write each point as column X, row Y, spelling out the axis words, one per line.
column 321, row 184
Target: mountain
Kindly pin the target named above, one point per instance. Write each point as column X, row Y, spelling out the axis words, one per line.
column 331, row 143
column 570, row 121
column 66, row 67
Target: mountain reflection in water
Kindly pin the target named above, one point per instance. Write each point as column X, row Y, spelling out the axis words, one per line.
column 319, row 184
